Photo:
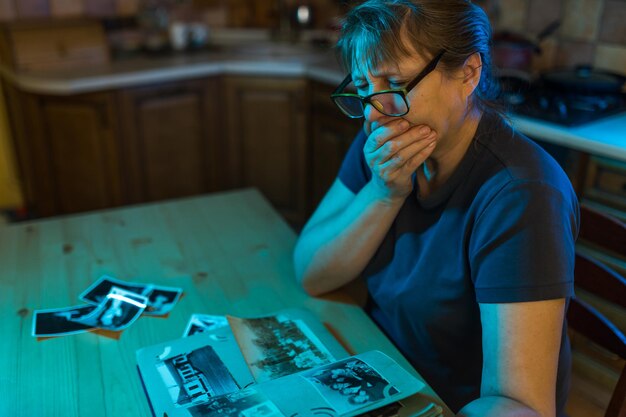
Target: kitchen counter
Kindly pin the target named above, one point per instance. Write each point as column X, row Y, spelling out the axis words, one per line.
column 606, row 137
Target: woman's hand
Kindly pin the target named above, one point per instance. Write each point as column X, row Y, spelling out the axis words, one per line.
column 393, row 152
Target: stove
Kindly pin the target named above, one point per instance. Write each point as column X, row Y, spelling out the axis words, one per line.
column 539, row 101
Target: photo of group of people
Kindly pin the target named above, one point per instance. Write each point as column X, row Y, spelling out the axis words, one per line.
column 350, row 384
column 276, row 346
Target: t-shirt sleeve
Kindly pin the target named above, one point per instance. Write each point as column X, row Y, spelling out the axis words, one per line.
column 522, row 245
column 354, row 172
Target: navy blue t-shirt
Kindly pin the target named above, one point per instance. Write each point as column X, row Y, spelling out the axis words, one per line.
column 500, row 230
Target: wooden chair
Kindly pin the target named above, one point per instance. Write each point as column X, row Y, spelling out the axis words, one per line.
column 602, row 281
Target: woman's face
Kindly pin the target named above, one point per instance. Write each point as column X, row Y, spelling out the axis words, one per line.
column 439, row 100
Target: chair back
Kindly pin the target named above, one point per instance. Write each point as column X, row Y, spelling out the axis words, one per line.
column 595, row 277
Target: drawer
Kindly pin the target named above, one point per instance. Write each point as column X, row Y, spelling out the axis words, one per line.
column 606, row 182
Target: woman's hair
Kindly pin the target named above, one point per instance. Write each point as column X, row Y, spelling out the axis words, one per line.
column 375, row 32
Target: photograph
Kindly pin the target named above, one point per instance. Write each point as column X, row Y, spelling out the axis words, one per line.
column 276, row 346
column 118, row 310
column 161, row 300
column 196, row 377
column 99, row 289
column 60, row 321
column 350, row 384
column 199, row 323
column 244, row 403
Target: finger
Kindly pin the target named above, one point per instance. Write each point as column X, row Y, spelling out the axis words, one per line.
column 409, row 153
column 418, row 159
column 384, row 133
column 398, row 146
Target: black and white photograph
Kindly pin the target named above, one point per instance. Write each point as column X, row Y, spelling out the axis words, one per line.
column 276, row 346
column 118, row 310
column 199, row 323
column 350, row 384
column 102, row 287
column 196, row 377
column 60, row 321
column 161, row 300
column 245, row 403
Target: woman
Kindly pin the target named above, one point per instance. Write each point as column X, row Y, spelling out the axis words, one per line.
column 462, row 228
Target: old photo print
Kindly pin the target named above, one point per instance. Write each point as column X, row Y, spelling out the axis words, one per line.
column 350, row 385
column 118, row 310
column 245, row 403
column 161, row 300
column 60, row 321
column 196, row 377
column 98, row 291
column 277, row 345
column 199, row 323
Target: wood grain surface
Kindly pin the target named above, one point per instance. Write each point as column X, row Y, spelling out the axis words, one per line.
column 230, row 252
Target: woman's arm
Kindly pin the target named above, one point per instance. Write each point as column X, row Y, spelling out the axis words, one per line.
column 346, row 229
column 521, row 344
column 341, row 237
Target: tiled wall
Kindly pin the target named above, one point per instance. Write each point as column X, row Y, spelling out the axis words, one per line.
column 591, row 32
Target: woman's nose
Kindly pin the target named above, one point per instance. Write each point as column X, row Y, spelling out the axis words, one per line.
column 371, row 112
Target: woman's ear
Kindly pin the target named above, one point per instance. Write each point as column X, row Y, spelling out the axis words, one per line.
column 472, row 68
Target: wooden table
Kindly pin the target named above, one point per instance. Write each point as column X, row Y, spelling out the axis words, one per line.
column 230, row 252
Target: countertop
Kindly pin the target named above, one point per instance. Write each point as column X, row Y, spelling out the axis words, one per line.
column 606, row 137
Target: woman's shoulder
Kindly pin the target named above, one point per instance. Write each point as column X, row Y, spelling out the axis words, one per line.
column 515, row 157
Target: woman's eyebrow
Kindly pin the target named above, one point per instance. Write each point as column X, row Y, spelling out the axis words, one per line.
column 381, row 74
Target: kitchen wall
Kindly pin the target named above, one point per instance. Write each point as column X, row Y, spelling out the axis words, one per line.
column 591, row 32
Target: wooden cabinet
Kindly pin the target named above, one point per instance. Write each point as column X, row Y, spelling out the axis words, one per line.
column 332, row 134
column 605, row 186
column 265, row 140
column 67, row 148
column 169, row 134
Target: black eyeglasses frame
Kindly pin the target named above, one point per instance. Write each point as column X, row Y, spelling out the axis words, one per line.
column 403, row 92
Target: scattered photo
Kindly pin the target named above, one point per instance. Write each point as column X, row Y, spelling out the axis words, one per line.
column 98, row 291
column 118, row 310
column 196, row 377
column 276, row 346
column 60, row 321
column 161, row 300
column 245, row 403
column 350, row 384
column 199, row 323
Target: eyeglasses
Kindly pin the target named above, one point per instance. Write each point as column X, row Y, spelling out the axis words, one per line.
column 389, row 102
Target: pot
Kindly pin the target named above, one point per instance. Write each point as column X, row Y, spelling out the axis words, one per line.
column 586, row 80
column 515, row 51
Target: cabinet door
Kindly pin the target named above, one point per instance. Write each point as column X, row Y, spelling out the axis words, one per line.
column 266, row 139
column 75, row 142
column 169, row 132
column 332, row 135
column 606, row 185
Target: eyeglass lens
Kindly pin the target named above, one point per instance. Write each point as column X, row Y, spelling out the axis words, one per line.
column 391, row 104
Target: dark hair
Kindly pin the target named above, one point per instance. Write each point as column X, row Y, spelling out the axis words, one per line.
column 376, row 30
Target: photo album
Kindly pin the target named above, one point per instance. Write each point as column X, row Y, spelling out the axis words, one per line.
column 284, row 365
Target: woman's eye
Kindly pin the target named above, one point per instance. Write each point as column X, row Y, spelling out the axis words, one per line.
column 397, row 84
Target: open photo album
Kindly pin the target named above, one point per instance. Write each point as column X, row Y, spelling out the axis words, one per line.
column 284, row 365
